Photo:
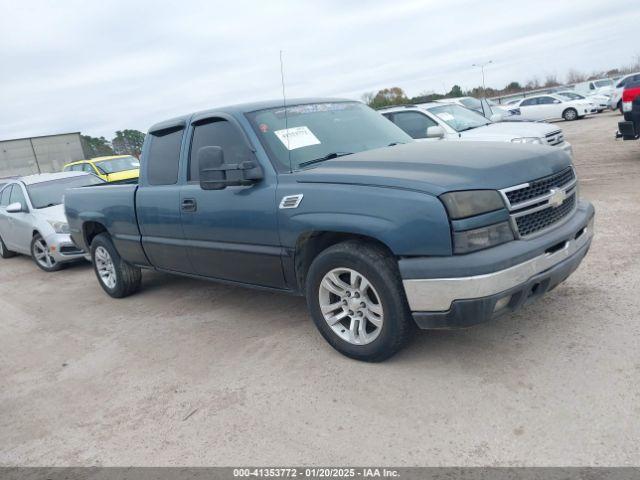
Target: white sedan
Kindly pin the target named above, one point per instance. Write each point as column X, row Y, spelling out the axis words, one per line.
column 451, row 122
column 550, row 106
column 600, row 101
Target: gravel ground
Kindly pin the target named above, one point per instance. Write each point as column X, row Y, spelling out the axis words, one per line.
column 195, row 373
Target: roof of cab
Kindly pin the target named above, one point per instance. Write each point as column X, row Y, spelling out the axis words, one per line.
column 241, row 109
column 47, row 177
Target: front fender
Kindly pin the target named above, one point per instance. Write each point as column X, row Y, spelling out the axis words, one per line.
column 408, row 222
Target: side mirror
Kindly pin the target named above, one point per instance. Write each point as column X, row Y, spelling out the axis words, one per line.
column 435, row 132
column 215, row 174
column 557, row 101
column 496, row 117
column 15, row 208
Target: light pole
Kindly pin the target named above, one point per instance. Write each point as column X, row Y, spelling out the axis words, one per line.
column 482, row 65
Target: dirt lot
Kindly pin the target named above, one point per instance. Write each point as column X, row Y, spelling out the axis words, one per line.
column 194, row 373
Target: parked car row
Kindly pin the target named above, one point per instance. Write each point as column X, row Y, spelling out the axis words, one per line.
column 327, row 199
column 442, row 121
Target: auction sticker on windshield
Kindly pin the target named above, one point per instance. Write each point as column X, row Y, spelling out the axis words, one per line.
column 297, row 137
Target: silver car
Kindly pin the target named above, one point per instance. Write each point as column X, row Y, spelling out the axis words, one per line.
column 32, row 219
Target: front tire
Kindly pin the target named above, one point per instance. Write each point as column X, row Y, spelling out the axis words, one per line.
column 570, row 114
column 116, row 277
column 42, row 256
column 4, row 251
column 357, row 301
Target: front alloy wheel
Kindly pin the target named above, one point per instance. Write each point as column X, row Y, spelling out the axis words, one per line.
column 351, row 306
column 42, row 255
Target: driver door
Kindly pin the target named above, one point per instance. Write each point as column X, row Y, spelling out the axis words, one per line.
column 231, row 234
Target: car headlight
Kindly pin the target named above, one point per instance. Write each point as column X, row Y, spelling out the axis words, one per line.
column 535, row 140
column 481, row 238
column 59, row 227
column 468, row 203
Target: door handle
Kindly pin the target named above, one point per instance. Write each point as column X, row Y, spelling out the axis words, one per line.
column 189, row 205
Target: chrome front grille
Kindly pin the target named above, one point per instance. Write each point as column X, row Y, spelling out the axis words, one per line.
column 554, row 138
column 538, row 188
column 541, row 203
column 531, row 223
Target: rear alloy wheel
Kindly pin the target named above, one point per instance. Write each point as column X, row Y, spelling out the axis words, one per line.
column 4, row 251
column 42, row 256
column 570, row 114
column 116, row 277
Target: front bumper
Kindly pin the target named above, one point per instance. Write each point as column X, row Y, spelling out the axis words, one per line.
column 63, row 249
column 461, row 301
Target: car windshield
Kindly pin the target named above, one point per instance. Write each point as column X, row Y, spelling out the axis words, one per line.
column 571, row 95
column 320, row 131
column 118, row 164
column 603, row 83
column 459, row 118
column 49, row 194
column 472, row 103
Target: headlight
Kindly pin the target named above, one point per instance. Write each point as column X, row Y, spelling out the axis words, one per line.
column 536, row 140
column 59, row 227
column 480, row 238
column 468, row 203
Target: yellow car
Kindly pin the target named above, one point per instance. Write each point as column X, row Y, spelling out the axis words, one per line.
column 117, row 168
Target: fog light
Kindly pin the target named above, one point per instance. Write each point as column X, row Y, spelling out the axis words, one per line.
column 502, row 303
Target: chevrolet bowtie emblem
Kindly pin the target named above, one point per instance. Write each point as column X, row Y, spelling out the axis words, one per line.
column 557, row 197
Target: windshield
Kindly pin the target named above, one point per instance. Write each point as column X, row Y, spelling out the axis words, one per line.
column 603, row 83
column 459, row 118
column 472, row 103
column 49, row 194
column 118, row 164
column 571, row 95
column 322, row 130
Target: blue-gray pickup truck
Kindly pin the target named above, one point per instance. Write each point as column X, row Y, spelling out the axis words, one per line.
column 328, row 199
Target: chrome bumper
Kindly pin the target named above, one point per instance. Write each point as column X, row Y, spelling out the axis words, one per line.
column 437, row 294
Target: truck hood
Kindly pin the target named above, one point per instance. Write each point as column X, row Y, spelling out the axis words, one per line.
column 505, row 131
column 438, row 167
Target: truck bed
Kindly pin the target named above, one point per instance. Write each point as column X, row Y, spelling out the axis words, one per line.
column 111, row 207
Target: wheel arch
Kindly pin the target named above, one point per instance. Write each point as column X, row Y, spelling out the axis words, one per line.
column 311, row 243
column 90, row 230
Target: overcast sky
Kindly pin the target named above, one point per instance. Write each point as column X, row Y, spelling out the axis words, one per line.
column 98, row 67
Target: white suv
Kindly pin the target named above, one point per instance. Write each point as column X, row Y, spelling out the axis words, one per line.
column 441, row 121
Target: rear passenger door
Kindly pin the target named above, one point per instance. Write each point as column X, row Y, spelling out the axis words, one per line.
column 158, row 202
column 232, row 233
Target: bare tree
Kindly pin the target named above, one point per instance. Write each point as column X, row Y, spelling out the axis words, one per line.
column 551, row 81
column 574, row 76
column 368, row 97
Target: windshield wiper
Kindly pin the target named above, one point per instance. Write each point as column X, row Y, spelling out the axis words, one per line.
column 393, row 144
column 328, row 156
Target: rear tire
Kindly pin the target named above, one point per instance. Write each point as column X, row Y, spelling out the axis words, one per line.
column 4, row 251
column 357, row 301
column 570, row 114
column 116, row 277
column 41, row 255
